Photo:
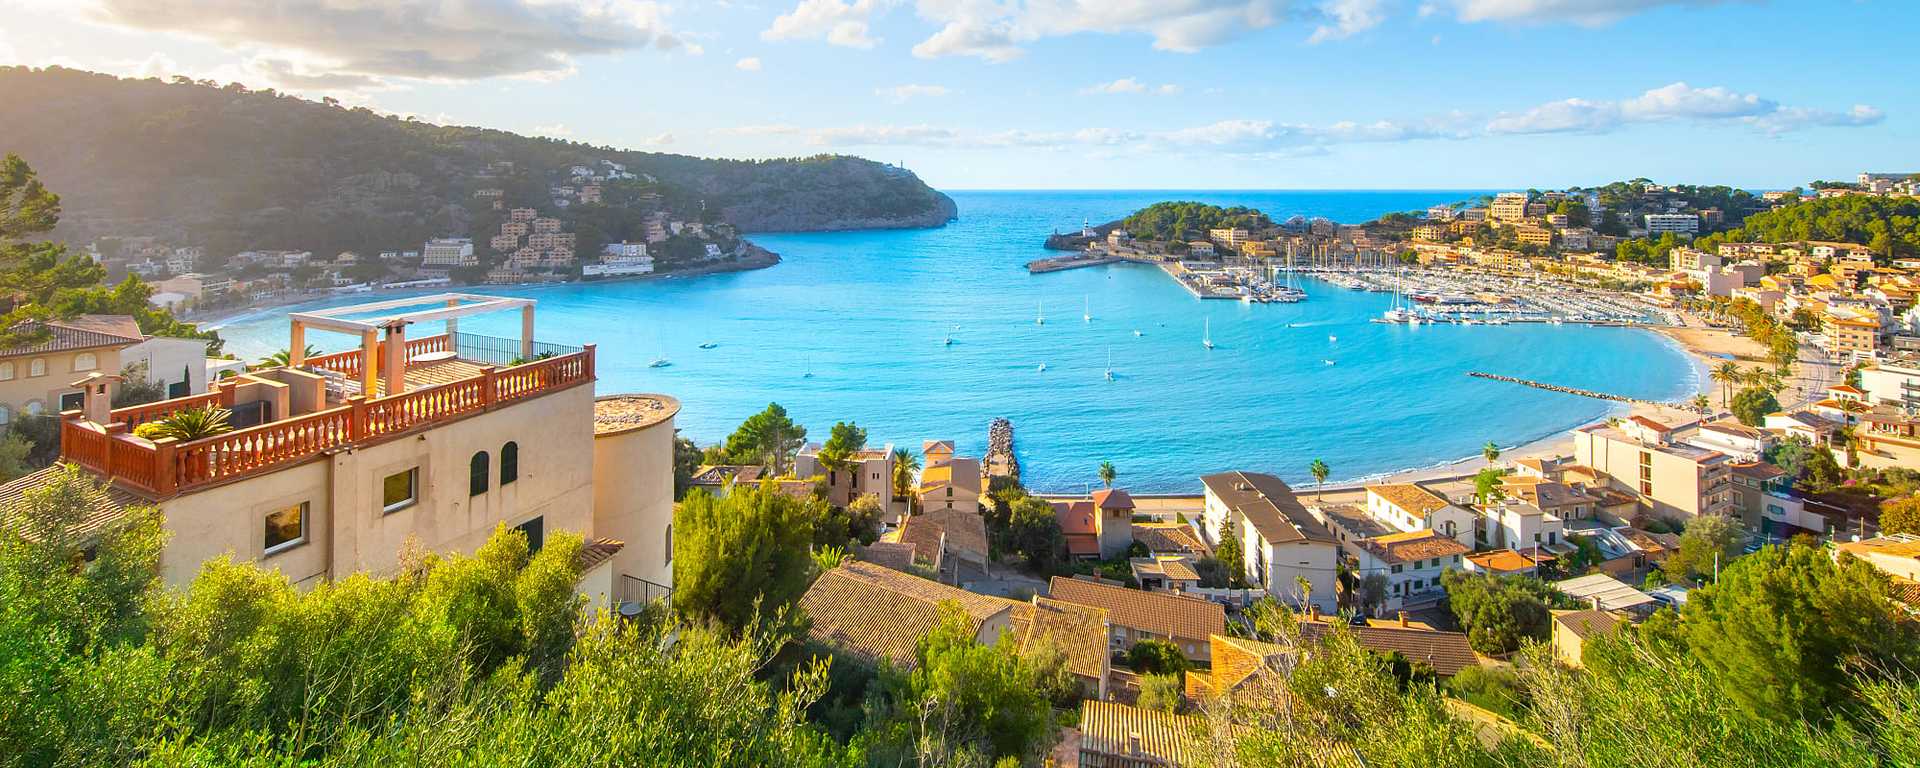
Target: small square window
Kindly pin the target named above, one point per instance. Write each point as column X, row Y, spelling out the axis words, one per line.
column 399, row 490
column 286, row 528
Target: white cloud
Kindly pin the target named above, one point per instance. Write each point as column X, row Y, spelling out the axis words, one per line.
column 1587, row 12
column 839, row 22
column 418, row 39
column 554, row 131
column 748, row 64
column 901, row 94
column 1128, row 85
column 1346, row 18
column 1678, row 101
column 657, row 140
column 995, row 31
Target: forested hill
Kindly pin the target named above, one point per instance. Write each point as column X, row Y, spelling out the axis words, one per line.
column 232, row 169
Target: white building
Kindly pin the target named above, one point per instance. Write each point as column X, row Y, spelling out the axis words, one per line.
column 1410, row 508
column 178, row 364
column 1679, row 223
column 1281, row 542
column 449, row 252
column 1893, row 382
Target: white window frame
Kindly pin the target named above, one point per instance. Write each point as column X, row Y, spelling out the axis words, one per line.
column 413, row 490
column 7, row 371
column 306, row 516
column 36, row 367
column 92, row 361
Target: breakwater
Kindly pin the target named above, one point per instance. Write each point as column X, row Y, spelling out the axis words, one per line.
column 1564, row 390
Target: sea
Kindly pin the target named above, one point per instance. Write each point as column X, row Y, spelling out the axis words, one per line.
column 853, row 326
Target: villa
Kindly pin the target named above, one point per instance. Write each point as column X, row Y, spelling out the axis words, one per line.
column 333, row 464
column 1283, row 544
column 948, row 481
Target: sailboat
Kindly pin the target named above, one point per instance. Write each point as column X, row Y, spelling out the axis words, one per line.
column 1109, row 363
column 949, row 341
column 709, row 344
column 1206, row 333
column 660, row 360
column 809, row 373
column 1041, row 319
column 1086, row 312
column 1042, row 368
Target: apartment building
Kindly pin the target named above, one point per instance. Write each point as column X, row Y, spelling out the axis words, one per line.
column 337, row 462
column 1229, row 238
column 448, row 252
column 1508, row 207
column 1894, row 382
column 1412, row 564
column 1134, row 615
column 948, row 481
column 1281, row 542
column 1515, row 524
column 1411, row 508
column 1677, row 223
column 870, row 473
column 1673, row 479
column 1850, row 334
column 43, row 377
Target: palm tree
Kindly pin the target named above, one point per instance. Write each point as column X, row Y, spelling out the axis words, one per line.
column 1703, row 404
column 905, row 464
column 284, row 358
column 1320, row 472
column 1491, row 452
column 191, row 424
column 1727, row 373
column 1108, row 473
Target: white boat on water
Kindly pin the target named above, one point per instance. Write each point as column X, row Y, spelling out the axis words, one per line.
column 1328, row 362
column 1332, row 339
column 709, row 344
column 1206, row 333
column 1109, row 363
column 1086, row 310
column 1042, row 368
column 1136, row 332
column 1041, row 318
column 660, row 362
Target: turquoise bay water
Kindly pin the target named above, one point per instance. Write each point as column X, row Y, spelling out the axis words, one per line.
column 866, row 313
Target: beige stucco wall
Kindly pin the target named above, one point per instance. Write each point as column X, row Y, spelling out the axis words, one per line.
column 46, row 389
column 349, row 531
column 633, row 498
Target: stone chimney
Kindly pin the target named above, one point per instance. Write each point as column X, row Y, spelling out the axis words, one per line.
column 1313, row 612
column 1403, row 619
column 1133, row 743
column 96, row 392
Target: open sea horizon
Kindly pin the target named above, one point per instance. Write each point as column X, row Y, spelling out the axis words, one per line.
column 850, row 327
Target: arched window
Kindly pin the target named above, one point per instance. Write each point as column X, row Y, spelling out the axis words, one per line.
column 34, row 407
column 38, row 367
column 509, row 462
column 669, row 542
column 477, row 477
column 6, row 415
column 6, row 371
column 85, row 361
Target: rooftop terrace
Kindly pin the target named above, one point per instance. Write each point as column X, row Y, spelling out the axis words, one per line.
column 283, row 415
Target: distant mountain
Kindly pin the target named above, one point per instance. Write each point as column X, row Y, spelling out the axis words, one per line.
column 232, row 169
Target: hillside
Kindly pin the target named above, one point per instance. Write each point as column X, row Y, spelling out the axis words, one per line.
column 232, row 169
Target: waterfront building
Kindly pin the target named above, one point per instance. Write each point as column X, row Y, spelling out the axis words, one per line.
column 448, row 252
column 337, row 462
column 948, row 481
column 1673, row 479
column 870, row 474
column 1678, row 223
column 1515, row 524
column 1280, row 540
column 1099, row 526
column 1894, row 382
column 44, row 377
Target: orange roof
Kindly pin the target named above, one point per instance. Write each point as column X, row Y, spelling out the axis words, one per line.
column 1651, row 424
column 1501, row 561
column 1409, row 497
column 1410, row 547
column 1112, row 498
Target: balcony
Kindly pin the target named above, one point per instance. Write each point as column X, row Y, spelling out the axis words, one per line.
column 286, row 415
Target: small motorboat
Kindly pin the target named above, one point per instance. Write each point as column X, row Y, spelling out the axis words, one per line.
column 709, row 344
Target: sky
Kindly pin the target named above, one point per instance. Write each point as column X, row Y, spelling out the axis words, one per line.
column 1088, row 94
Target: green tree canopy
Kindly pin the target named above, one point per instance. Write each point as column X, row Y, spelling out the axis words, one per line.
column 1705, row 537
column 741, row 559
column 1498, row 612
column 1751, row 406
column 768, row 438
column 1190, row 221
column 1783, row 628
column 1900, row 515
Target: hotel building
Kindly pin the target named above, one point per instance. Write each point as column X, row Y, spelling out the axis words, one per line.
column 1673, row 479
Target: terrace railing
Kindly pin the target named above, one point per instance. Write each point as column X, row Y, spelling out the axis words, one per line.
column 165, row 467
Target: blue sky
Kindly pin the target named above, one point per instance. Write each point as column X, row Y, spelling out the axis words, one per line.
column 1089, row 93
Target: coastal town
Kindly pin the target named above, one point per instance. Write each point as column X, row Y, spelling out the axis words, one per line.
column 517, row 241
column 1160, row 606
column 415, row 383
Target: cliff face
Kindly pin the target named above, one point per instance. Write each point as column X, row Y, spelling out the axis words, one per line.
column 231, row 169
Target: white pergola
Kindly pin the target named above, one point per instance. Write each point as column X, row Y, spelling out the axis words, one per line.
column 449, row 307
